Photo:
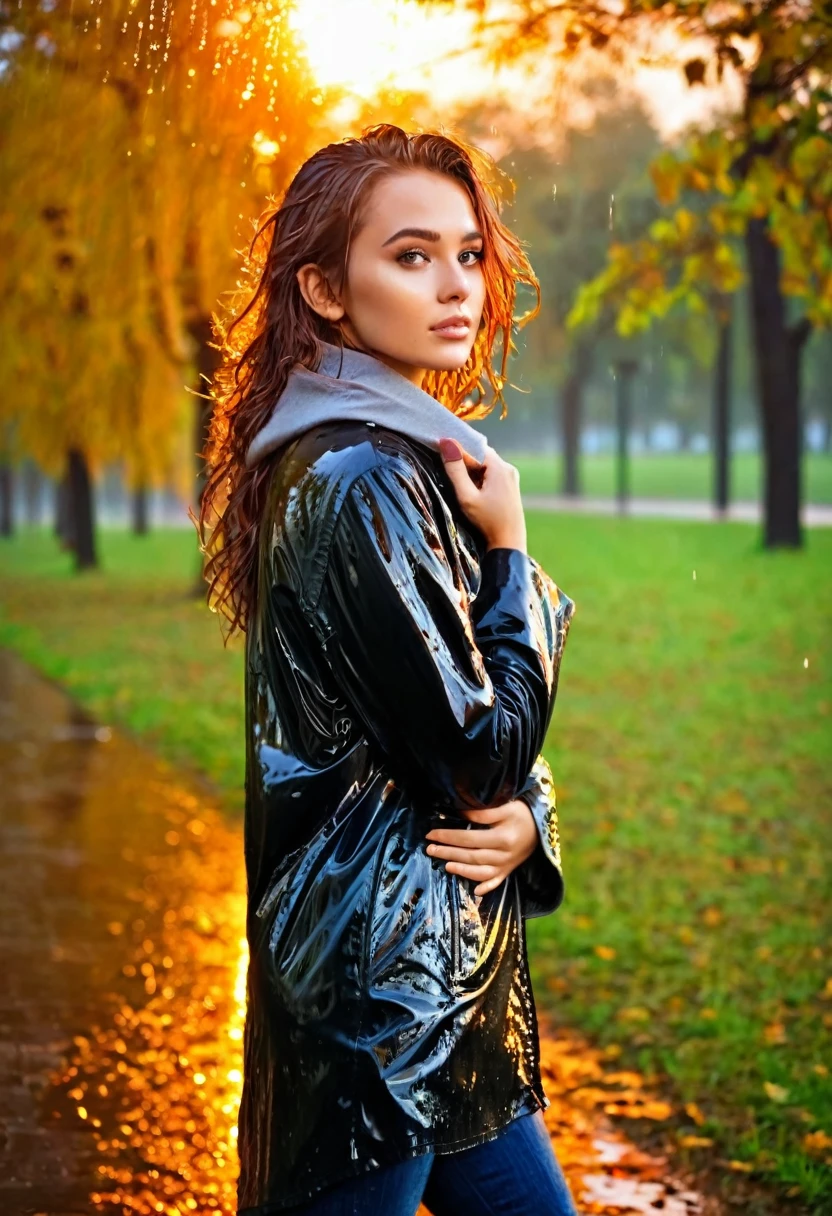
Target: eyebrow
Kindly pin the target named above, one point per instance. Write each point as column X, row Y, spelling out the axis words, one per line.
column 427, row 235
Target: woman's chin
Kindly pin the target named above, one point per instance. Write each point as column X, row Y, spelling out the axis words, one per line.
column 455, row 355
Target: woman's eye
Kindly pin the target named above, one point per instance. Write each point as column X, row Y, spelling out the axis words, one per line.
column 409, row 254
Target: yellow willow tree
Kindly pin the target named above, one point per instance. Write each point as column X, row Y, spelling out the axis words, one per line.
column 64, row 288
column 189, row 117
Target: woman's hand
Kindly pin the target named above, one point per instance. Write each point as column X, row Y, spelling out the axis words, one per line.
column 492, row 502
column 487, row 855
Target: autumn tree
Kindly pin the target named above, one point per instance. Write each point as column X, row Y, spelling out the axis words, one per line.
column 766, row 171
column 156, row 134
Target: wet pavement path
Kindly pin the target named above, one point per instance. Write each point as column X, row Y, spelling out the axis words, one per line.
column 122, row 956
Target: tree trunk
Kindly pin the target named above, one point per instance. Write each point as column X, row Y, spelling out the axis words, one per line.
column 625, row 369
column 6, row 500
column 572, row 414
column 722, row 407
column 32, row 483
column 141, row 525
column 64, row 514
column 777, row 353
column 81, row 497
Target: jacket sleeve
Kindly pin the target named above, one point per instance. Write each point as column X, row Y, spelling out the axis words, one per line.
column 540, row 877
column 458, row 690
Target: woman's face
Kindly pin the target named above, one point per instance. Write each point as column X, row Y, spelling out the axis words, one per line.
column 415, row 264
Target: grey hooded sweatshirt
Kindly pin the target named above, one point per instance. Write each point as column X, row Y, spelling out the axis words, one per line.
column 354, row 386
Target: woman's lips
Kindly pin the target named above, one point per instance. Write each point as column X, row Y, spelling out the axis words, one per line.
column 452, row 331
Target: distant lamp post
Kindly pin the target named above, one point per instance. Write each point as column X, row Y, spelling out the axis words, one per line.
column 624, row 370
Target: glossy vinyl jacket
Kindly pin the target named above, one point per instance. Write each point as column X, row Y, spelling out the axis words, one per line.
column 396, row 673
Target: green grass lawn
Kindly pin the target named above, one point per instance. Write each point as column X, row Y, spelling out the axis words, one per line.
column 690, row 746
column 669, row 475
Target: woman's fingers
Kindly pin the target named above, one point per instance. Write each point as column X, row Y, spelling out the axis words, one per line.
column 491, row 885
column 474, row 857
column 484, row 838
column 487, row 856
column 476, row 873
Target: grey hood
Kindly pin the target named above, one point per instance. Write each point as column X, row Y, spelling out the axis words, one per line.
column 355, row 386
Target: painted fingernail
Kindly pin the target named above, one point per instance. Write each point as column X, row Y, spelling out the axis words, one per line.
column 450, row 449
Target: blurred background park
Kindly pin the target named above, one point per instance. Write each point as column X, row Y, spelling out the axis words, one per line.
column 669, row 168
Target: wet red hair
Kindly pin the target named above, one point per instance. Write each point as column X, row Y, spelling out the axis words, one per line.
column 321, row 210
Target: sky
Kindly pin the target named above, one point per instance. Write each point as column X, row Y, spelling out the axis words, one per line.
column 362, row 45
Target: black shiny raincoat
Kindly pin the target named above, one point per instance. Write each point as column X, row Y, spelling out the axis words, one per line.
column 396, row 673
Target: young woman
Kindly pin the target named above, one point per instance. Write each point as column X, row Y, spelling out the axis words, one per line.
column 402, row 660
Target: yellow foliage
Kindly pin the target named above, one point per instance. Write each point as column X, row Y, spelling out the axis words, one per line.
column 634, row 1013
column 817, row 1142
column 775, row 1032
column 787, row 181
column 119, row 225
column 605, row 952
column 666, row 173
column 686, row 223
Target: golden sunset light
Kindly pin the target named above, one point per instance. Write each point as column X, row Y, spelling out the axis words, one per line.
column 363, row 46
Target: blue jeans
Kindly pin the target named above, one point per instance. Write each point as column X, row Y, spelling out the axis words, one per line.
column 516, row 1174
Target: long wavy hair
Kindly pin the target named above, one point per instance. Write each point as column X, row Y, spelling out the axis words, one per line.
column 273, row 328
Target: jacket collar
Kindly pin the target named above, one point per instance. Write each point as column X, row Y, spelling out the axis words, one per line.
column 355, row 386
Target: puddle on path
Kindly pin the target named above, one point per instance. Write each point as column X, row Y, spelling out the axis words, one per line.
column 122, row 912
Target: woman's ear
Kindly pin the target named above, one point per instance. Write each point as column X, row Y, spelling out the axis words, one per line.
column 317, row 293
